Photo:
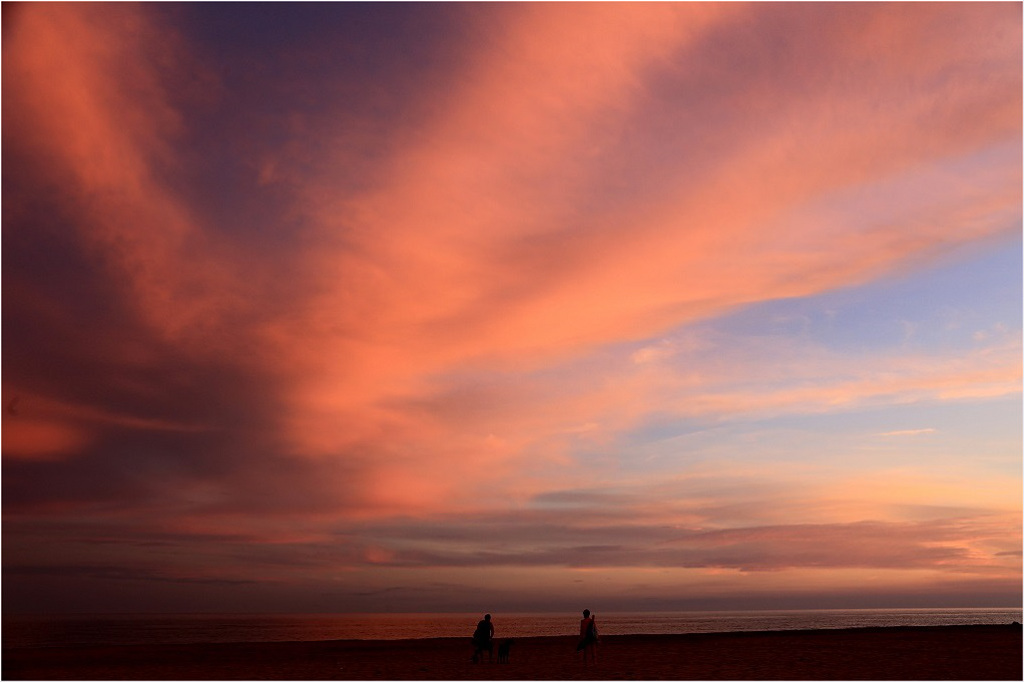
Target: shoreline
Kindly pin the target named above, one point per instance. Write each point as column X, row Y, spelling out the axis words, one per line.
column 966, row 652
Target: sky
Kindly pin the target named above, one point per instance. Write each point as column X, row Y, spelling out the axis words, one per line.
column 511, row 307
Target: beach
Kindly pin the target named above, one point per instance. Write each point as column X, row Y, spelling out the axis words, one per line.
column 974, row 652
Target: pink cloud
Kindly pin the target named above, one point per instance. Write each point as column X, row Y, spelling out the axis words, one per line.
column 498, row 290
column 481, row 246
column 41, row 440
column 93, row 102
column 462, row 255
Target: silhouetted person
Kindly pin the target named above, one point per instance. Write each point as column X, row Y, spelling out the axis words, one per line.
column 588, row 637
column 483, row 639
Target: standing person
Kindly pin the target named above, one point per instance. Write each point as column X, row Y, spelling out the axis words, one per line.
column 483, row 638
column 588, row 637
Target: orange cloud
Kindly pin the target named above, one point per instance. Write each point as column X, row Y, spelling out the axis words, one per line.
column 41, row 440
column 596, row 176
column 36, row 427
column 491, row 242
column 491, row 238
column 91, row 100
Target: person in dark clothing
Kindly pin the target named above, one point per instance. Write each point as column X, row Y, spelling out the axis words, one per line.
column 588, row 637
column 483, row 639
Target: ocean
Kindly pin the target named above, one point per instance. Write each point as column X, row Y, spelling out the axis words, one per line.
column 47, row 631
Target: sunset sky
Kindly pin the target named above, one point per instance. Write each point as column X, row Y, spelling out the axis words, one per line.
column 485, row 307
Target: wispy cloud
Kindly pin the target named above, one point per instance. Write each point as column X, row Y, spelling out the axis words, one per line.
column 300, row 295
column 909, row 432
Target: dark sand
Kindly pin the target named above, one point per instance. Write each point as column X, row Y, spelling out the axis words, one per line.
column 976, row 652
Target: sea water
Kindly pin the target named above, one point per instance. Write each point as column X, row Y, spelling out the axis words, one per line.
column 44, row 631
